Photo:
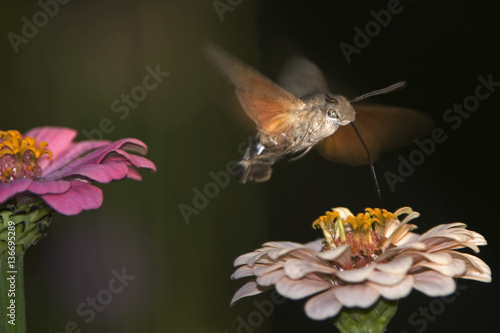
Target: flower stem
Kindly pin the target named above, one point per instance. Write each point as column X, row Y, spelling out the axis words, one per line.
column 21, row 226
column 372, row 320
column 12, row 309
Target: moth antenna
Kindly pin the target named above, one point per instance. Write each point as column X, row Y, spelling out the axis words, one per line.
column 391, row 88
column 372, row 167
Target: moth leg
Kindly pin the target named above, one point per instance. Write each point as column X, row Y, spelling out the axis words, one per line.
column 301, row 154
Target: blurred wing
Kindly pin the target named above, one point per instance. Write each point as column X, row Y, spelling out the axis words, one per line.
column 382, row 128
column 302, row 77
column 268, row 105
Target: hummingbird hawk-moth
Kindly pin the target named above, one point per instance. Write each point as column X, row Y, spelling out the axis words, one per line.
column 289, row 125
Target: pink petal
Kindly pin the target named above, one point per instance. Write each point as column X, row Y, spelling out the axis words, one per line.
column 113, row 147
column 323, row 306
column 70, row 157
column 8, row 190
column 49, row 187
column 133, row 174
column 434, row 284
column 99, row 172
column 80, row 196
column 58, row 138
column 296, row 289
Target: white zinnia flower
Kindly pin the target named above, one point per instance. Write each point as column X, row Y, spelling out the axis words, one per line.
column 361, row 259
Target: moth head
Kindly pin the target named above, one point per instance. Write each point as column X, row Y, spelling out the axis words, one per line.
column 338, row 109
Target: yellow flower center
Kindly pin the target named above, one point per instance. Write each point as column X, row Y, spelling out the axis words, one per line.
column 19, row 156
column 363, row 232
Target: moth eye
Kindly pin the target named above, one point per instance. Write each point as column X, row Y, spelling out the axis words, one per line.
column 332, row 114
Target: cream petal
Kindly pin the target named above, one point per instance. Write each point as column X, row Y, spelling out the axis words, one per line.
column 270, row 278
column 403, row 210
column 476, row 275
column 384, row 278
column 397, row 266
column 440, row 258
column 322, row 306
column 244, row 258
column 260, row 270
column 296, row 269
column 249, row 289
column 275, row 254
column 241, row 272
column 478, row 238
column 334, row 253
column 357, row 275
column 432, row 283
column 397, row 291
column 405, row 237
column 356, row 295
column 297, row 289
column 316, row 245
column 473, row 262
column 476, row 268
column 389, row 253
column 456, row 268
column 344, row 212
column 283, row 245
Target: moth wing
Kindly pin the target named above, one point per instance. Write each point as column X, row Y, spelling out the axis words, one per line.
column 382, row 128
column 302, row 77
column 272, row 113
column 266, row 103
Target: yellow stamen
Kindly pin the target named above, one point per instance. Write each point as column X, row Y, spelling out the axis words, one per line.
column 12, row 143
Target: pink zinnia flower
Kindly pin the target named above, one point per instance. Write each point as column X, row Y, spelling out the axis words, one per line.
column 60, row 171
column 361, row 259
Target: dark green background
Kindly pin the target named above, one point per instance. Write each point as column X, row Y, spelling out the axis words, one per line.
column 91, row 52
